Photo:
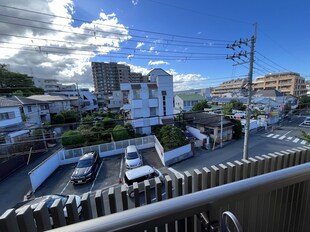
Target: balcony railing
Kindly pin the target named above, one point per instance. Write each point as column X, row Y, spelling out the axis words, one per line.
column 265, row 193
column 277, row 201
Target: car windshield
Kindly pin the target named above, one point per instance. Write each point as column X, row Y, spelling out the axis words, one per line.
column 84, row 163
column 132, row 155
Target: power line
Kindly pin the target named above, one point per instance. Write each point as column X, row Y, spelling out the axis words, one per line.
column 114, row 26
column 271, row 61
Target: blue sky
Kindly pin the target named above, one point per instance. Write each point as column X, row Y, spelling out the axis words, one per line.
column 178, row 36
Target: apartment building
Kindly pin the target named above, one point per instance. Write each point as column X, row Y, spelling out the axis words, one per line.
column 149, row 104
column 286, row 82
column 228, row 87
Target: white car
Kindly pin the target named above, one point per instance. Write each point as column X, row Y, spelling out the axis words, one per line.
column 139, row 175
column 307, row 121
column 133, row 158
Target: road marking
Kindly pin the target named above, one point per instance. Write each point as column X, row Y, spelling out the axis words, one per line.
column 270, row 135
column 92, row 186
column 282, row 137
column 289, row 138
column 296, row 140
column 276, row 136
column 65, row 187
column 288, row 132
column 303, row 142
column 176, row 172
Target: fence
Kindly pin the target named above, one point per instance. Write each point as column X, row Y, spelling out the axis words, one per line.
column 280, row 205
column 107, row 149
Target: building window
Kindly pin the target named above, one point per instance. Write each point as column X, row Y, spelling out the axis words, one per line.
column 152, row 93
column 29, row 108
column 164, row 105
column 136, row 94
column 152, row 111
column 7, row 115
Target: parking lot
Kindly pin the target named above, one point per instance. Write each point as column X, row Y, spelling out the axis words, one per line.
column 110, row 170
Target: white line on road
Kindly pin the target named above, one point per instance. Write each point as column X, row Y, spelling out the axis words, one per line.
column 65, row 187
column 276, row 136
column 282, row 137
column 176, row 172
column 289, row 138
column 287, row 132
column 296, row 140
column 92, row 186
column 303, row 142
column 270, row 135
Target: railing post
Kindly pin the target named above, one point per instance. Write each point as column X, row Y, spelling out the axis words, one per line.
column 158, row 189
column 254, row 166
column 273, row 166
column 267, row 163
column 25, row 220
column 179, row 192
column 231, row 172
column 147, row 192
column 197, row 180
column 8, row 221
column 261, row 165
column 112, row 202
column 99, row 203
column 223, row 174
column 57, row 213
column 86, row 207
column 214, row 176
column 136, row 194
column 285, row 159
column 303, row 152
column 297, row 156
column 206, row 178
column 246, row 168
column 279, row 160
column 72, row 211
column 42, row 217
column 188, row 189
column 124, row 197
column 239, row 170
column 291, row 158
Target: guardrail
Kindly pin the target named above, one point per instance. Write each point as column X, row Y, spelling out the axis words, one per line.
column 269, row 192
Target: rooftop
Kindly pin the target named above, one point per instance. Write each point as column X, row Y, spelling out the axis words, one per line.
column 51, row 98
column 191, row 97
column 4, row 102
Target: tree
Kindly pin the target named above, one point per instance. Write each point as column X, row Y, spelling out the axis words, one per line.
column 130, row 130
column 171, row 137
column 305, row 136
column 72, row 138
column 237, row 129
column 58, row 119
column 304, row 101
column 119, row 133
column 287, row 108
column 200, row 106
column 71, row 116
column 12, row 82
column 233, row 105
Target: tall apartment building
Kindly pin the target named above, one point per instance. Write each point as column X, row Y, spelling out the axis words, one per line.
column 228, row 87
column 137, row 78
column 286, row 82
column 108, row 76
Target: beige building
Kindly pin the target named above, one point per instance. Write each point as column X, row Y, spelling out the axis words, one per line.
column 229, row 86
column 286, row 82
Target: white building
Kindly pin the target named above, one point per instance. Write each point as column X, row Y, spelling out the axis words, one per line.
column 88, row 100
column 52, row 85
column 11, row 122
column 149, row 104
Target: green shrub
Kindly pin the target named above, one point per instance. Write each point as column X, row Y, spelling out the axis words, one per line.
column 120, row 133
column 72, row 138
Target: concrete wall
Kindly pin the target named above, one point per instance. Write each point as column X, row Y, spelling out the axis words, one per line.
column 177, row 154
column 40, row 173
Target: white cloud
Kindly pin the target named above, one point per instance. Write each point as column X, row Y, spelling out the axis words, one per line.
column 158, row 62
column 65, row 54
column 139, row 44
column 135, row 2
column 152, row 48
column 130, row 56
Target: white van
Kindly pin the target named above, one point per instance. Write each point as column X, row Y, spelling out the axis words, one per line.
column 141, row 174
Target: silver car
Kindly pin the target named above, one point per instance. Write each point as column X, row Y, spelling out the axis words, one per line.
column 133, row 158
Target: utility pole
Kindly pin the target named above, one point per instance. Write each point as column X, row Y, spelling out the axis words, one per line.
column 79, row 101
column 248, row 111
column 221, row 129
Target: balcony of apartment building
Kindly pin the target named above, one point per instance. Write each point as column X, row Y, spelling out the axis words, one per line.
column 265, row 193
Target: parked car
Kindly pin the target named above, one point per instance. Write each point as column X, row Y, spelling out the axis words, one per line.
column 86, row 168
column 139, row 175
column 133, row 158
column 307, row 121
column 49, row 199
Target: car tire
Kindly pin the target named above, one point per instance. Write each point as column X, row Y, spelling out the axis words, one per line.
column 131, row 194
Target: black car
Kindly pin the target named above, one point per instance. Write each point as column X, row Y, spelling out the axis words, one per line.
column 86, row 168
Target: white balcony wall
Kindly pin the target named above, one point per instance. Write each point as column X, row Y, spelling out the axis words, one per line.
column 153, row 102
column 136, row 103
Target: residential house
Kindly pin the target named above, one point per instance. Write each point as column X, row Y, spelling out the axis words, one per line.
column 149, row 104
column 11, row 122
column 56, row 104
column 211, row 124
column 185, row 102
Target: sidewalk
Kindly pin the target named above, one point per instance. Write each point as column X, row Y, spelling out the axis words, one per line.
column 17, row 185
